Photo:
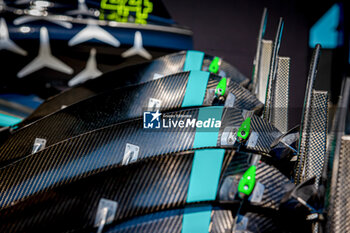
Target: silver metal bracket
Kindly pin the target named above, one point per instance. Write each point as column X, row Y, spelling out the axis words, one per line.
column 253, row 139
column 157, row 76
column 290, row 138
column 39, row 144
column 258, row 193
column 131, row 154
column 222, row 73
column 154, row 104
column 105, row 213
column 230, row 100
column 210, row 96
column 247, row 113
column 229, row 136
column 241, row 224
column 229, row 188
column 312, row 216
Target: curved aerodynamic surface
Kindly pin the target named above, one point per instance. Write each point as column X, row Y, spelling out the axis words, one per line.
column 219, row 117
column 336, row 171
column 126, row 142
column 121, row 104
column 195, row 88
column 147, row 186
column 170, row 64
column 222, row 221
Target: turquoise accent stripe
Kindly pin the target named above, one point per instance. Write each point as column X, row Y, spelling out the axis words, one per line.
column 325, row 31
column 6, row 120
column 206, row 167
column 194, row 60
column 30, row 101
column 208, row 137
column 196, row 88
column 196, row 221
column 205, row 174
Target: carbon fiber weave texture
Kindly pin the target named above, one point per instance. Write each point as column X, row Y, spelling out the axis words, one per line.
column 148, row 186
column 110, row 108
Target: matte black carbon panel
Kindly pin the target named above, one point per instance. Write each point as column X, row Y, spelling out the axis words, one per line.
column 144, row 72
column 265, row 131
column 305, row 120
column 264, row 69
column 148, row 186
column 260, row 223
column 339, row 211
column 336, row 169
column 338, row 130
column 89, row 154
column 314, row 161
column 167, row 221
column 244, row 99
column 140, row 188
column 171, row 221
column 274, row 184
column 257, row 58
column 96, row 150
column 100, row 111
column 267, row 175
column 222, row 221
column 271, row 80
column 280, row 102
column 110, row 108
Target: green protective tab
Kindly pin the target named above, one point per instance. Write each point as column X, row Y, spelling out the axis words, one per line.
column 220, row 89
column 244, row 129
column 214, row 65
column 247, row 182
column 196, row 88
column 194, row 60
column 6, row 120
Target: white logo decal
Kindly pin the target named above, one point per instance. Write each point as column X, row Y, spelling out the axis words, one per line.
column 82, row 9
column 44, row 58
column 151, row 120
column 93, row 31
column 90, row 71
column 137, row 48
column 6, row 43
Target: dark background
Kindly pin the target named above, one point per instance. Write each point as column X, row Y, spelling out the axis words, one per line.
column 229, row 29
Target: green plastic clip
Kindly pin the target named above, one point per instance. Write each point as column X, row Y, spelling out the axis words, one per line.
column 214, row 65
column 247, row 182
column 244, row 130
column 220, row 89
